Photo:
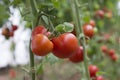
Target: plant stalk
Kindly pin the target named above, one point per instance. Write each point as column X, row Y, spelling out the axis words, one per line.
column 79, row 26
column 35, row 15
column 31, row 63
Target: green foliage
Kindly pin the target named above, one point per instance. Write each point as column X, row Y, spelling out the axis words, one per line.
column 65, row 27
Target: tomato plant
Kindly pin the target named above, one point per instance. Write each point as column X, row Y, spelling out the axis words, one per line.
column 41, row 45
column 63, row 45
column 49, row 21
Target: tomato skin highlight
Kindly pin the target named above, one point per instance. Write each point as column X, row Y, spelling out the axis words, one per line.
column 78, row 56
column 41, row 45
column 65, row 45
column 99, row 78
column 39, row 30
column 88, row 30
column 93, row 70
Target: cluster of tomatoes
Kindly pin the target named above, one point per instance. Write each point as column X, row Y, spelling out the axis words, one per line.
column 9, row 32
column 89, row 29
column 100, row 14
column 110, row 52
column 63, row 46
column 93, row 71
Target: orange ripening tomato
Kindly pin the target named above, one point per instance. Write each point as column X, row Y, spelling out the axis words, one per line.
column 65, row 45
column 41, row 45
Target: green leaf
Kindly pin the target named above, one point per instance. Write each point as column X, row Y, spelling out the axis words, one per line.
column 65, row 27
column 51, row 59
column 16, row 2
column 101, row 23
column 40, row 68
column 100, row 73
column 45, row 19
column 68, row 27
column 28, row 17
column 86, row 18
column 60, row 28
column 55, row 3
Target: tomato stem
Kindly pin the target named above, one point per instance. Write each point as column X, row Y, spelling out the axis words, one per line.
column 31, row 62
column 78, row 26
column 34, row 23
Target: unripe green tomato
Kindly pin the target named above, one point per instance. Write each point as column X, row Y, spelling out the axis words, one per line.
column 95, row 30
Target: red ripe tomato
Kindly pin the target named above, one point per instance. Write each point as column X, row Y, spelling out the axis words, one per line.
column 12, row 73
column 38, row 30
column 77, row 56
column 99, row 78
column 104, row 49
column 65, row 45
column 92, row 23
column 114, row 57
column 14, row 27
column 88, row 30
column 93, row 70
column 111, row 52
column 41, row 45
column 99, row 14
